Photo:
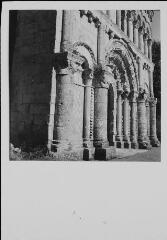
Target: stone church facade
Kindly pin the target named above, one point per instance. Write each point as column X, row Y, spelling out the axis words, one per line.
column 82, row 82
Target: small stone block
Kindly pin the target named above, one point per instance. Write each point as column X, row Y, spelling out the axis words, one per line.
column 127, row 145
column 105, row 153
column 134, row 145
column 120, row 144
column 88, row 154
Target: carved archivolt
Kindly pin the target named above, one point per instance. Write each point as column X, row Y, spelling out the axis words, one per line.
column 117, row 51
column 89, row 55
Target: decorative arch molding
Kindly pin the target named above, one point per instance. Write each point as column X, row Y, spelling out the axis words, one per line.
column 84, row 49
column 118, row 50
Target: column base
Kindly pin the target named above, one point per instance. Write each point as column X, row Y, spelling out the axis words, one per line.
column 127, row 144
column 101, row 144
column 134, row 145
column 105, row 153
column 112, row 143
column 88, row 154
column 119, row 144
column 144, row 145
column 155, row 142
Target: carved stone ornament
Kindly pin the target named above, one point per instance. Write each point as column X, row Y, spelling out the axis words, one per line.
column 142, row 94
column 133, row 96
column 153, row 101
column 126, row 88
column 102, row 75
column 136, row 23
column 69, row 61
column 87, row 76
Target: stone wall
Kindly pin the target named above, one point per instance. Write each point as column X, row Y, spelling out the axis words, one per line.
column 30, row 81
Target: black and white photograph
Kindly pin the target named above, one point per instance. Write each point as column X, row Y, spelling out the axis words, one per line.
column 83, row 120
column 84, row 84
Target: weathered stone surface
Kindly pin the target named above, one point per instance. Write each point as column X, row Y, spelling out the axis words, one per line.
column 78, row 87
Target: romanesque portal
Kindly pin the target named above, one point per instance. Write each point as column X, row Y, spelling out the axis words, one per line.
column 92, row 83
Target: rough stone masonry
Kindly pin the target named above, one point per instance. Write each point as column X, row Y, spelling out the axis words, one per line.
column 81, row 82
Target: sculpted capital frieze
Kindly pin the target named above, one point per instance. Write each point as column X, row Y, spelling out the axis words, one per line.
column 103, row 75
column 142, row 94
column 68, row 60
column 153, row 101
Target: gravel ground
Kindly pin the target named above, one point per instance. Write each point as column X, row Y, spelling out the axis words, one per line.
column 153, row 155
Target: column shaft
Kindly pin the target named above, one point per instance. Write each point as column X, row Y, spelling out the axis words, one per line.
column 86, row 116
column 150, row 49
column 133, row 127
column 153, row 132
column 142, row 124
column 141, row 44
column 126, row 119
column 100, row 121
column 148, row 119
column 145, row 45
column 69, row 28
column 100, row 44
column 150, row 73
column 119, row 118
column 118, row 18
column 136, row 36
column 63, row 130
column 130, row 29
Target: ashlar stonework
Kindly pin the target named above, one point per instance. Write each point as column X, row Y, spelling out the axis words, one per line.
column 83, row 82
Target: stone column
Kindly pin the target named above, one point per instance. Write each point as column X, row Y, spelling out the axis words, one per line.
column 141, row 43
column 112, row 110
column 119, row 137
column 87, row 77
column 100, row 44
column 126, row 120
column 125, row 22
column 142, row 121
column 69, row 28
column 118, row 18
column 150, row 49
column 102, row 150
column 66, row 64
column 148, row 118
column 140, row 70
column 135, row 33
column 133, row 119
column 130, row 25
column 145, row 36
column 150, row 74
column 153, row 134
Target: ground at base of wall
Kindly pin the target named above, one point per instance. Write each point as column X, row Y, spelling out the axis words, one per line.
column 133, row 155
column 139, row 155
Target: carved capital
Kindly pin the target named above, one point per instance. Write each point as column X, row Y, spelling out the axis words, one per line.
column 153, row 102
column 149, row 41
column 111, row 34
column 141, row 30
column 126, row 88
column 102, row 75
column 90, row 16
column 136, row 24
column 82, row 13
column 69, row 61
column 97, row 22
column 130, row 15
column 87, row 76
column 133, row 96
column 145, row 36
column 142, row 94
